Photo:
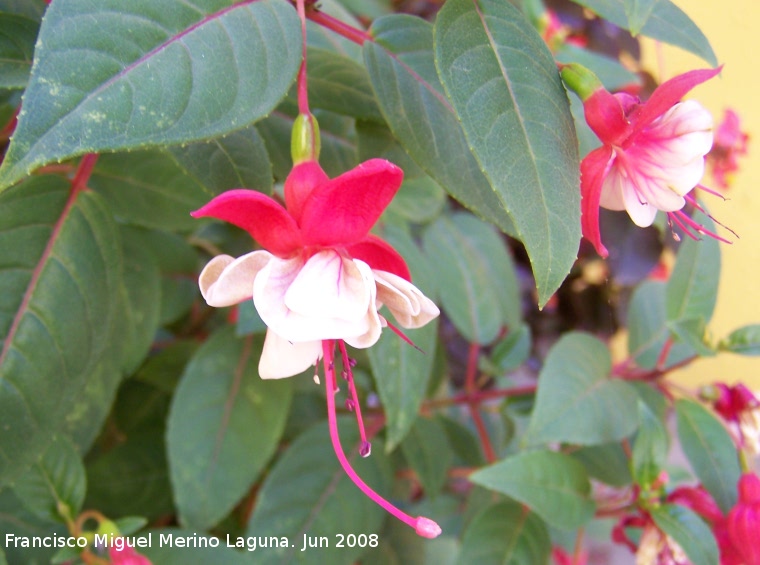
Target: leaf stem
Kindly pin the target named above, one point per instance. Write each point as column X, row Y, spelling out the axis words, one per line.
column 351, row 33
column 83, row 173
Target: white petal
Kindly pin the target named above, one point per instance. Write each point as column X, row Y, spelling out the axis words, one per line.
column 329, row 286
column 269, row 295
column 409, row 306
column 281, row 358
column 373, row 319
column 642, row 213
column 225, row 281
column 612, row 189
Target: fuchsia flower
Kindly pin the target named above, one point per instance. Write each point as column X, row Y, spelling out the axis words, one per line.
column 653, row 155
column 730, row 143
column 744, row 520
column 320, row 280
column 321, row 275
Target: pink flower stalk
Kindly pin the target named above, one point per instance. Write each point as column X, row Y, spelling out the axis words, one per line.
column 653, row 155
column 127, row 556
column 744, row 520
column 320, row 279
column 730, row 144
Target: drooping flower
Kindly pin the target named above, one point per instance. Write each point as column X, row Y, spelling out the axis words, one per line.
column 730, row 144
column 744, row 519
column 321, row 277
column 652, row 154
column 321, row 274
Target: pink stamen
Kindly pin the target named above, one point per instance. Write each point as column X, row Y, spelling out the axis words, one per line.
column 354, row 397
column 403, row 336
column 699, row 228
column 693, row 201
column 711, row 191
column 423, row 526
column 671, row 220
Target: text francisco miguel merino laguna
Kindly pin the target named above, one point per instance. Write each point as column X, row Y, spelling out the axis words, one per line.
column 164, row 540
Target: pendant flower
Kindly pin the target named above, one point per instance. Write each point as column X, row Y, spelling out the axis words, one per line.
column 730, row 144
column 744, row 519
column 652, row 154
column 321, row 278
column 321, row 275
column 126, row 556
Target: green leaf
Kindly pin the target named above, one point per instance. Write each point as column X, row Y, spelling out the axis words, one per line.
column 85, row 418
column 692, row 332
column 53, row 488
column 61, row 263
column 710, row 450
column 648, row 327
column 196, row 549
column 424, row 276
column 148, row 189
column 341, row 85
column 132, row 478
column 689, row 531
column 577, row 401
column 32, row 9
column 744, row 341
column 506, row 533
column 481, row 294
column 402, row 71
column 307, row 493
column 667, row 22
column 142, row 287
column 607, row 463
column 503, row 83
column 17, row 37
column 692, row 288
column 224, row 426
column 130, row 524
column 650, row 447
column 426, row 449
column 401, row 375
column 178, row 262
column 463, row 442
column 638, row 13
column 237, row 160
column 555, row 486
column 376, row 140
column 419, row 200
column 512, row 351
column 15, row 519
column 99, row 84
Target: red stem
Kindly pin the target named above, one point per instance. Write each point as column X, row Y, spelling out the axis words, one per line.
column 343, row 29
column 303, row 96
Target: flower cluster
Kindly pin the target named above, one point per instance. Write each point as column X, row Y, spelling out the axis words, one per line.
column 730, row 144
column 741, row 411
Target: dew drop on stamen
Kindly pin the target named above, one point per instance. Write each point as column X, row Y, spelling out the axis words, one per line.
column 365, row 449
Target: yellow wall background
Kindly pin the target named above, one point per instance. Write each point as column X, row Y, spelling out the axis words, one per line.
column 731, row 28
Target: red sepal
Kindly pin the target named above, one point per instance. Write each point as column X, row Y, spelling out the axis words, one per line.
column 303, row 179
column 594, row 168
column 380, row 255
column 343, row 210
column 668, row 94
column 265, row 219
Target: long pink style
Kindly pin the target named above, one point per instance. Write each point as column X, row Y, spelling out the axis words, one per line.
column 423, row 526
